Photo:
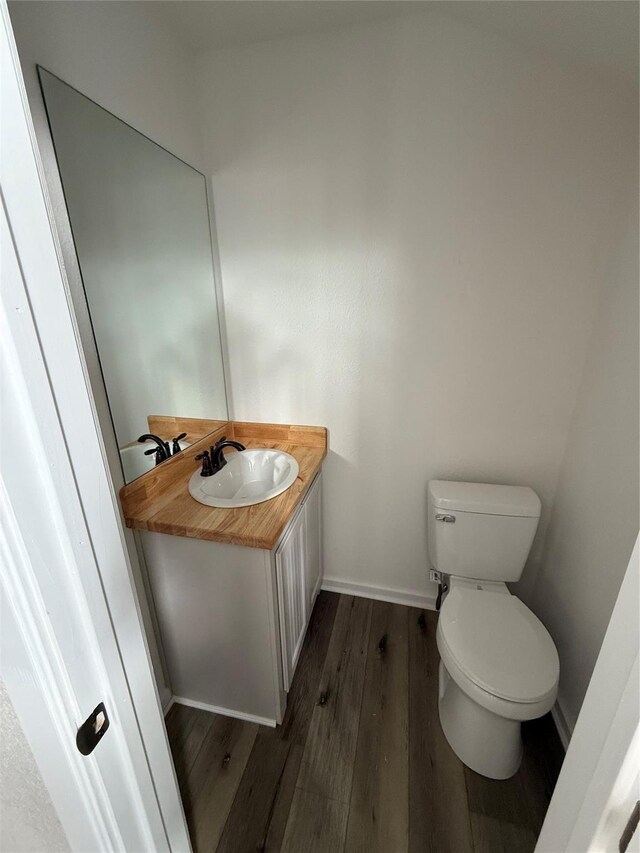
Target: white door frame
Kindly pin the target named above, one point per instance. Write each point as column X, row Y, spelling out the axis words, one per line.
column 72, row 630
column 599, row 782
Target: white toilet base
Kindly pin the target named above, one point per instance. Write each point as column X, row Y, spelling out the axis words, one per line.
column 489, row 744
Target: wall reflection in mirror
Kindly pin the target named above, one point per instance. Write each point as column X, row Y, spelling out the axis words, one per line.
column 140, row 225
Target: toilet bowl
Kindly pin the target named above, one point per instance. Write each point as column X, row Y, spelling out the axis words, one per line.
column 498, row 667
column 498, row 663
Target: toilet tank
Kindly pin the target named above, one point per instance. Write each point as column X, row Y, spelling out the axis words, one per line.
column 481, row 531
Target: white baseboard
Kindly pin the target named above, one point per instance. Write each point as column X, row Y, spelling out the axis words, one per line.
column 561, row 725
column 380, row 593
column 225, row 712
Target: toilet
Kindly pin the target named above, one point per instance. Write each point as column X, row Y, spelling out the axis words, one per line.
column 498, row 663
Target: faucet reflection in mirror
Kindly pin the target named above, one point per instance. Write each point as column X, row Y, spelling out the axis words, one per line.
column 138, row 457
column 140, row 225
column 163, row 449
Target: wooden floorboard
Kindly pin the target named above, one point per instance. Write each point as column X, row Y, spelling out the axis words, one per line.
column 543, row 757
column 316, row 824
column 329, row 753
column 379, row 805
column 282, row 804
column 304, row 691
column 438, row 808
column 500, row 815
column 270, row 778
column 256, row 795
column 360, row 762
column 506, row 815
column 214, row 779
column 187, row 729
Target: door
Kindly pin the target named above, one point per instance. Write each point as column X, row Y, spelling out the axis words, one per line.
column 291, row 558
column 598, row 785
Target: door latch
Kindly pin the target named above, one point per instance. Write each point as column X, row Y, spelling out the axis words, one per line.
column 92, row 730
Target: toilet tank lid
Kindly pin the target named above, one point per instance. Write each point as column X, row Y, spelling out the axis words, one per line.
column 485, row 498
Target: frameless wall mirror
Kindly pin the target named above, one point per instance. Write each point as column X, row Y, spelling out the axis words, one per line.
column 141, row 230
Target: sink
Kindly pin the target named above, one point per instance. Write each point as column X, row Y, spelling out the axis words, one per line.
column 249, row 477
column 135, row 463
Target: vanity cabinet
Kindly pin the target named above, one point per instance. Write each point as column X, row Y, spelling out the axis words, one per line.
column 298, row 576
column 232, row 619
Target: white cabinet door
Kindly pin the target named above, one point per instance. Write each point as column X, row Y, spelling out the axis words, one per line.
column 313, row 523
column 291, row 558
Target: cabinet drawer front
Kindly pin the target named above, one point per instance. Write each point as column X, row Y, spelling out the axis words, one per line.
column 298, row 575
column 290, row 563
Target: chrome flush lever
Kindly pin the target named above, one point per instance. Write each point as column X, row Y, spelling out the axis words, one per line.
column 445, row 516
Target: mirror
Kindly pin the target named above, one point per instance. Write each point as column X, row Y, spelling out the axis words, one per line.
column 140, row 224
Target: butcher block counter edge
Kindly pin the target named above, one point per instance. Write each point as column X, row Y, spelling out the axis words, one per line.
column 159, row 501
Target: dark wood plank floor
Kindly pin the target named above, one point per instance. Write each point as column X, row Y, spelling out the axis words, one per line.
column 360, row 762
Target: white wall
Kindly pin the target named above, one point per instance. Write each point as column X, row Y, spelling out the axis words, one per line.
column 594, row 522
column 28, row 820
column 409, row 214
column 115, row 53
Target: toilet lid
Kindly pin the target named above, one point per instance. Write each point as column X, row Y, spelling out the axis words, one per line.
column 499, row 644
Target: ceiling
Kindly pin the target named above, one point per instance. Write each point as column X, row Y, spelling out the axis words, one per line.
column 206, row 24
column 598, row 36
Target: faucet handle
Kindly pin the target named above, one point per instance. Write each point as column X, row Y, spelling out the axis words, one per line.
column 176, row 443
column 164, row 450
column 207, row 468
column 159, row 454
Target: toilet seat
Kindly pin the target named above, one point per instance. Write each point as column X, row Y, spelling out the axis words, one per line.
column 498, row 644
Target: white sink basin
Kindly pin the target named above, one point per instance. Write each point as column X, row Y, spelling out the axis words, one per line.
column 135, row 463
column 249, row 477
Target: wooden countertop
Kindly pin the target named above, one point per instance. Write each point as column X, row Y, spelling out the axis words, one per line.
column 159, row 500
